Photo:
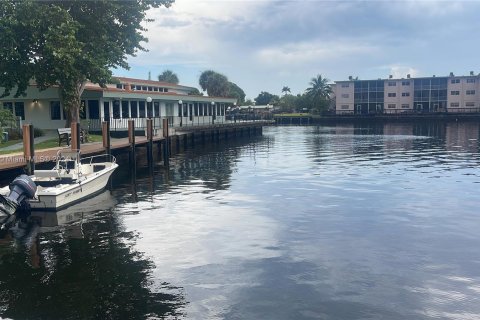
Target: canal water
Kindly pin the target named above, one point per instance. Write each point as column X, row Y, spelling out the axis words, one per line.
column 331, row 222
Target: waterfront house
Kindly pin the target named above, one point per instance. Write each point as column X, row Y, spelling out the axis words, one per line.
column 126, row 99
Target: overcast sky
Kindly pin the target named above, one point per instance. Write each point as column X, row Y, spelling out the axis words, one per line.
column 264, row 45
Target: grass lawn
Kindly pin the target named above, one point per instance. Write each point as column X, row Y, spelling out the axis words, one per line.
column 292, row 115
column 9, row 143
column 51, row 143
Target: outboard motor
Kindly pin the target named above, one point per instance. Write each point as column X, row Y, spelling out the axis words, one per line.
column 22, row 188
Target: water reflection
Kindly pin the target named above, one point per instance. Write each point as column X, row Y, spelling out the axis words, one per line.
column 353, row 221
column 83, row 268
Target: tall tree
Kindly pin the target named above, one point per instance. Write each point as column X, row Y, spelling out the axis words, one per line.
column 67, row 43
column 235, row 91
column 319, row 92
column 216, row 84
column 168, row 76
column 265, row 98
column 285, row 90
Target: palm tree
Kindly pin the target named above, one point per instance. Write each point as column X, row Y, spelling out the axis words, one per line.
column 285, row 89
column 319, row 92
column 168, row 76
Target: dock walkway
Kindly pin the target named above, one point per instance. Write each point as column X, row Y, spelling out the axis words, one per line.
column 17, row 160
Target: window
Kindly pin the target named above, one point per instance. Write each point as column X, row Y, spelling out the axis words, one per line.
column 106, row 110
column 125, row 109
column 469, row 104
column 455, row 93
column 185, row 110
column 470, row 92
column 392, row 94
column 405, row 83
column 116, row 109
column 470, row 80
column 455, row 81
column 8, row 106
column 454, row 104
column 133, row 109
column 392, row 83
column 345, row 85
column 20, row 110
column 141, row 109
column 405, row 94
column 83, row 110
column 345, row 106
column 196, row 109
column 119, row 86
column 93, row 111
column 345, row 95
column 55, row 113
column 392, row 106
column 156, row 108
column 405, row 106
column 155, row 89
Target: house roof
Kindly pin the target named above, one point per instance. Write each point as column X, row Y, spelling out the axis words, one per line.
column 151, row 82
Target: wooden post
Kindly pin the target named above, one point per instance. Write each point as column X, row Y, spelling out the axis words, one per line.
column 150, row 142
column 131, row 141
column 29, row 148
column 75, row 127
column 166, row 145
column 106, row 136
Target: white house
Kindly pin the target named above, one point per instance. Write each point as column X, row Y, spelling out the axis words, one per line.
column 128, row 99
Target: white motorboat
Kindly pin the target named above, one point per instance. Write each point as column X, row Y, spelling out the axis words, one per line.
column 73, row 179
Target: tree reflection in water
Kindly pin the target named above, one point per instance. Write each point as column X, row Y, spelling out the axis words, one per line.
column 95, row 276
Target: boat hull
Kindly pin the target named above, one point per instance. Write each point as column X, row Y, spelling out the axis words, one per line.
column 73, row 194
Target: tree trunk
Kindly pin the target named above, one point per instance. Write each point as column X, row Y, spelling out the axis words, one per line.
column 70, row 96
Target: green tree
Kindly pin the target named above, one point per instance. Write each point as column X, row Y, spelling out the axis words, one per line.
column 288, row 103
column 247, row 102
column 265, row 98
column 6, row 118
column 195, row 92
column 285, row 90
column 235, row 91
column 319, row 92
column 168, row 76
column 67, row 43
column 216, row 84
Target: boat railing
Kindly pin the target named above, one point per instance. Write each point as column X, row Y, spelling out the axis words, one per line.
column 106, row 156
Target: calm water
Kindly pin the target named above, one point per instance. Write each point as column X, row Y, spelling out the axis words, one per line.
column 346, row 222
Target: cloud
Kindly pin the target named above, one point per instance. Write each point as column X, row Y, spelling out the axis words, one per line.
column 306, row 52
column 257, row 43
column 402, row 71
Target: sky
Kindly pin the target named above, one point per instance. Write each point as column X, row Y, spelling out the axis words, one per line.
column 264, row 45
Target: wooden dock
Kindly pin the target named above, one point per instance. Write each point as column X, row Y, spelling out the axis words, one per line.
column 177, row 136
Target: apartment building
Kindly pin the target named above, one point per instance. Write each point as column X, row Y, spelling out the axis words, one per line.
column 452, row 94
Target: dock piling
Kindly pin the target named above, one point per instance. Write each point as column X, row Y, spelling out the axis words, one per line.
column 29, row 148
column 166, row 145
column 75, row 130
column 106, row 136
column 131, row 141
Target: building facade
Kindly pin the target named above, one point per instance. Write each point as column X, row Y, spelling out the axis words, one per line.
column 452, row 94
column 128, row 99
